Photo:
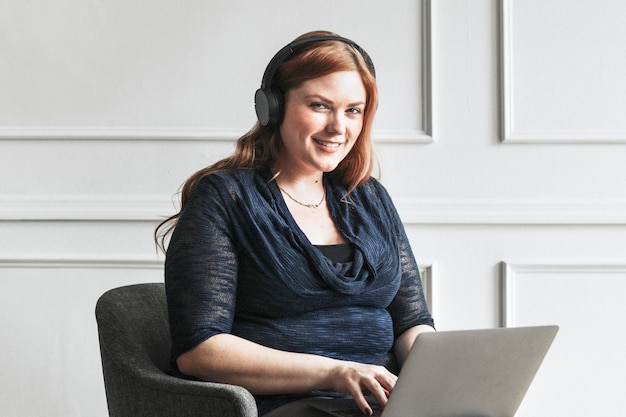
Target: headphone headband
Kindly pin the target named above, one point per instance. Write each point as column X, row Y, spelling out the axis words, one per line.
column 268, row 100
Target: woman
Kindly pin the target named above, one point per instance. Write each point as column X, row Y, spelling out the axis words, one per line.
column 288, row 271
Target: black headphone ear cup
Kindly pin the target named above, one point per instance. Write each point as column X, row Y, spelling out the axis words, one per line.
column 268, row 103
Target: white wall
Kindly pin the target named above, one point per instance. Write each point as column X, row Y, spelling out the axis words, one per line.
column 500, row 133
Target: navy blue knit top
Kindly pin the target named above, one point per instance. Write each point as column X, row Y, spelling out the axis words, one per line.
column 238, row 263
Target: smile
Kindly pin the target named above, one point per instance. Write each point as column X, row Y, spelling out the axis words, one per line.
column 332, row 145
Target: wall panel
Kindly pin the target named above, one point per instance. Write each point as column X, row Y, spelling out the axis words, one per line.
column 584, row 373
column 130, row 70
column 50, row 333
column 557, row 84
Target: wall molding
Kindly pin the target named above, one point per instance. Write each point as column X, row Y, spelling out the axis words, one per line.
column 425, row 135
column 412, row 211
column 411, row 137
column 513, row 211
column 510, row 271
column 122, row 134
column 427, row 68
column 85, row 208
column 86, row 261
column 507, row 111
column 427, row 275
column 106, row 134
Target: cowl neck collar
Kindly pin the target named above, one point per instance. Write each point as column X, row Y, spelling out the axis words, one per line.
column 371, row 266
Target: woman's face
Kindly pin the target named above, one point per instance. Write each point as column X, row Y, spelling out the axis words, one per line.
column 323, row 119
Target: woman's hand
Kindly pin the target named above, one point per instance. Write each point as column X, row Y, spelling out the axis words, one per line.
column 360, row 380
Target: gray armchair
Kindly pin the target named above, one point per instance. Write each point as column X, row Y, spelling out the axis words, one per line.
column 135, row 346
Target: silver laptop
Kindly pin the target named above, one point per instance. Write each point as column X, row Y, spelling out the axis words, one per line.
column 468, row 373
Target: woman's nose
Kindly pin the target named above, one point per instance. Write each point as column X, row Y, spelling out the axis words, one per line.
column 337, row 123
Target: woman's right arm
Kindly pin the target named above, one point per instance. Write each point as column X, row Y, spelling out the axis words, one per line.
column 230, row 359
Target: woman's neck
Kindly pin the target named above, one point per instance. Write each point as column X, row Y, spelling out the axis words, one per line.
column 305, row 191
column 295, row 181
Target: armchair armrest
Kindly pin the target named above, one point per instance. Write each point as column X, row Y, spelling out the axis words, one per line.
column 151, row 392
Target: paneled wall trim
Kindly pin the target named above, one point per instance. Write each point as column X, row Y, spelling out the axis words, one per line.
column 124, row 134
column 510, row 272
column 512, row 211
column 95, row 261
column 412, row 211
column 586, row 360
column 51, row 297
column 427, row 274
column 551, row 95
column 84, row 208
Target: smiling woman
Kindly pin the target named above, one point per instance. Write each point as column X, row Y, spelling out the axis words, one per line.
column 288, row 271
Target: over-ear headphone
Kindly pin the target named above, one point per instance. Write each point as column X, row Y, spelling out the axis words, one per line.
column 269, row 100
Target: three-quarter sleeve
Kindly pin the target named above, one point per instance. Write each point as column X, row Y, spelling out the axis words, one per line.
column 408, row 308
column 201, row 271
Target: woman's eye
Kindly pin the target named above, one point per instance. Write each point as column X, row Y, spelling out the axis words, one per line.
column 319, row 106
column 353, row 110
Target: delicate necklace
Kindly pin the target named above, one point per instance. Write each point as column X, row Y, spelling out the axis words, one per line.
column 311, row 206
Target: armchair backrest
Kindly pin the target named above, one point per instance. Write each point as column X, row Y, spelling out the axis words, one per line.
column 133, row 327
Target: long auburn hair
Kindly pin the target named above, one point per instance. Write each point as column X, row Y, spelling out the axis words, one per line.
column 261, row 147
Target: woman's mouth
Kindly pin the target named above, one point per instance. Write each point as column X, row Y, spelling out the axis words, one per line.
column 330, row 145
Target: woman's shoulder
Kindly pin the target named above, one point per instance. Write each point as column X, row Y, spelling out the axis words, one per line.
column 373, row 197
column 373, row 188
column 226, row 187
column 231, row 179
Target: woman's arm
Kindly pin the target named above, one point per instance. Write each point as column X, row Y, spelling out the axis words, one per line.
column 408, row 309
column 230, row 359
column 404, row 342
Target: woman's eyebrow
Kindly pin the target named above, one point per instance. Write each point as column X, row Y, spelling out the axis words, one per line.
column 320, row 97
